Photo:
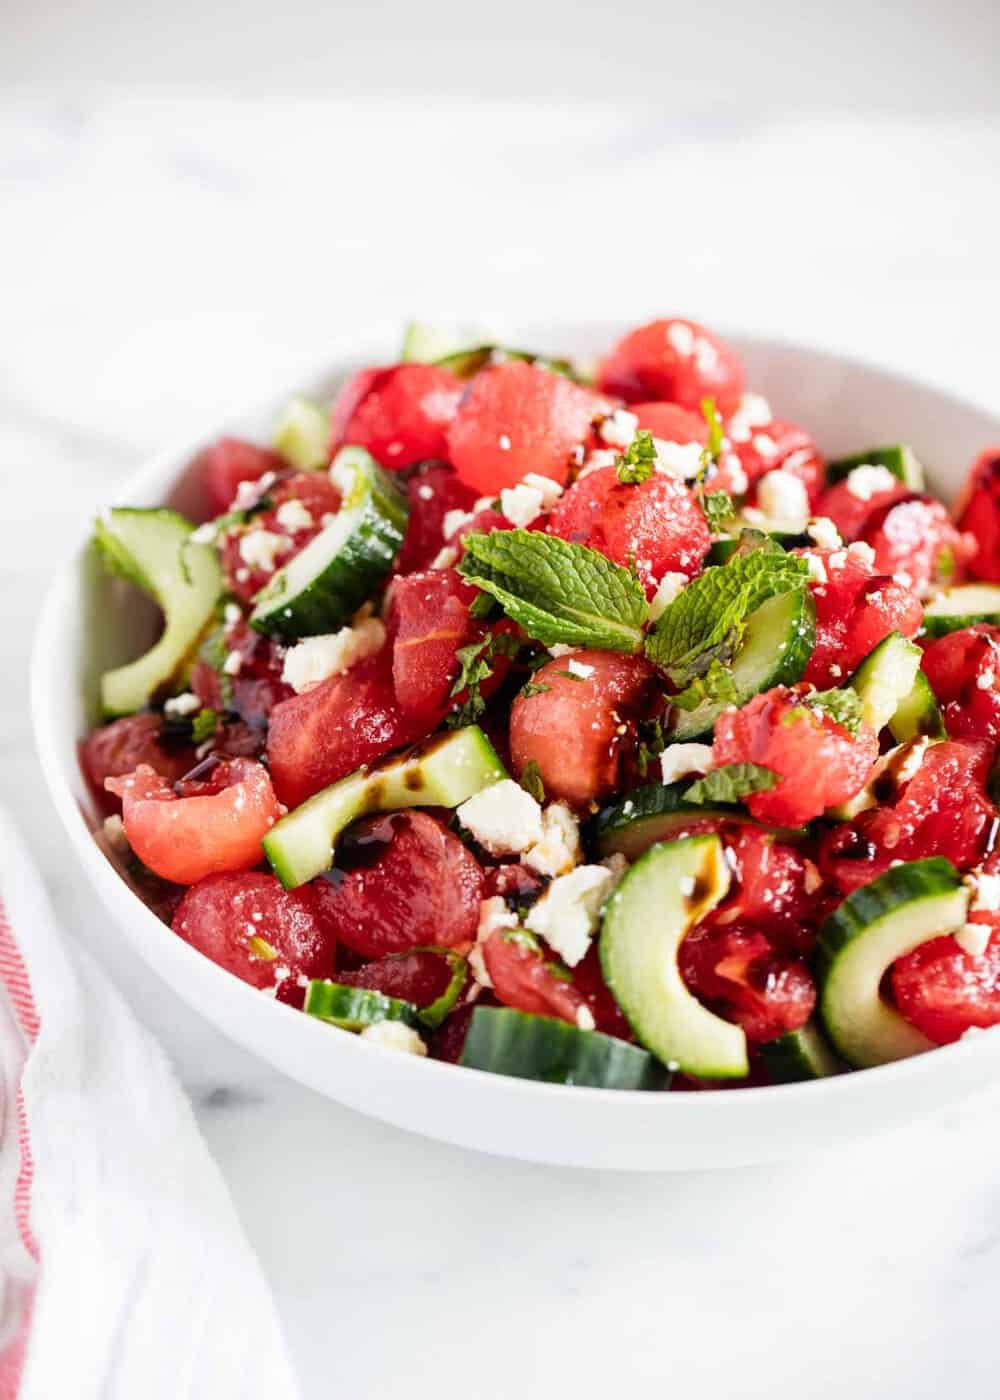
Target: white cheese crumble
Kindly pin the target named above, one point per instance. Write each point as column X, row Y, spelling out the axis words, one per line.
column 551, row 490
column 868, row 480
column 521, row 504
column 504, row 819
column 232, row 614
column 764, row 445
column 601, row 457
column 585, row 1019
column 737, row 480
column 817, row 569
column 248, row 493
column 985, row 680
column 619, row 428
column 681, row 760
column 494, row 916
column 568, row 912
column 179, row 706
column 293, row 515
column 580, row 669
column 558, row 649
column 754, row 411
column 863, row 552
column 233, row 663
column 667, row 589
column 315, row 659
column 394, row 1035
column 973, row 939
column 259, row 547
column 453, row 522
column 824, row 533
column 559, row 849
column 678, row 459
column 783, row 500
column 985, row 891
column 445, row 557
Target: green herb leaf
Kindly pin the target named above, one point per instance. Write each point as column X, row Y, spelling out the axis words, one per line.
column 718, row 507
column 843, row 706
column 531, row 689
column 716, row 686
column 558, row 591
column 531, row 780
column 730, row 783
column 474, row 667
column 481, row 606
column 652, row 742
column 637, row 462
column 213, row 651
column 705, row 622
column 206, row 722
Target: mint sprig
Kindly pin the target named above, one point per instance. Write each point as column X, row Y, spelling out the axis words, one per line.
column 475, row 666
column 844, row 707
column 706, row 621
column 730, row 783
column 558, row 591
column 637, row 462
column 715, row 687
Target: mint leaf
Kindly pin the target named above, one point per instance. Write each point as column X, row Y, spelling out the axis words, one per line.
column 637, row 462
column 532, row 688
column 718, row 507
column 652, row 742
column 558, row 591
column 705, row 622
column 474, row 668
column 531, row 780
column 715, row 687
column 730, row 783
column 206, row 722
column 481, row 606
column 843, row 706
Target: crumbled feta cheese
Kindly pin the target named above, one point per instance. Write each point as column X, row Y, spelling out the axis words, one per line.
column 395, row 1035
column 521, row 504
column 233, row 663
column 559, row 849
column 985, row 891
column 824, row 533
column 973, row 939
column 558, row 649
column 293, row 515
column 179, row 706
column 585, row 1019
column 753, row 411
column 863, row 552
column 425, row 492
column 985, row 680
column 232, row 614
column 838, row 559
column 249, row 493
column 619, row 428
column 259, row 547
column 867, row 481
column 680, row 760
column 912, row 754
column 551, row 490
column 315, row 659
column 764, row 445
column 836, row 671
column 669, row 587
column 454, row 521
column 568, row 912
column 678, row 459
column 445, row 557
column 242, row 575
column 494, row 916
column 784, row 501
column 601, row 457
column 579, row 669
column 484, row 503
column 737, row 481
column 817, row 569
column 504, row 819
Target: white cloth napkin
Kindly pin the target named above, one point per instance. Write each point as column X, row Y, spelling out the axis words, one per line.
column 125, row 1272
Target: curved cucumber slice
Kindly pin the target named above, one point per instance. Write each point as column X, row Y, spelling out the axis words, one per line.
column 901, row 460
column 885, row 679
column 797, row 1055
column 153, row 548
column 659, row 812
column 917, row 714
column 353, row 1008
column 776, row 648
column 874, row 926
column 503, row 1041
column 321, row 588
column 426, row 344
column 962, row 606
column 444, row 772
column 302, row 435
column 669, row 890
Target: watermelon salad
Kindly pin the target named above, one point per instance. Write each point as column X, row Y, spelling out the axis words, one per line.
column 582, row 725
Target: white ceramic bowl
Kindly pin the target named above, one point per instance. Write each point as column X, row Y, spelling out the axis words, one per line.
column 85, row 627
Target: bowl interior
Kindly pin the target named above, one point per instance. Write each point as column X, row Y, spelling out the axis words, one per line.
column 91, row 622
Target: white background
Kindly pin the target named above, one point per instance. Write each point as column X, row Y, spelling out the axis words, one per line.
column 192, row 203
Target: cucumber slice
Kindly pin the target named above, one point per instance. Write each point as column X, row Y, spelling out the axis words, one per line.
column 353, row 1008
column 797, row 1055
column 898, row 458
column 669, row 890
column 962, row 606
column 424, row 344
column 885, row 679
column 882, row 921
column 302, row 435
column 153, row 549
column 723, row 549
column 917, row 714
column 321, row 588
column 503, row 1041
column 658, row 812
column 776, row 648
column 444, row 772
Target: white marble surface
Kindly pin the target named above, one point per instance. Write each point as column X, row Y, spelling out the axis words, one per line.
column 162, row 257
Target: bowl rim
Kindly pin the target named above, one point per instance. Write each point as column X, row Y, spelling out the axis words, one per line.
column 342, row 357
